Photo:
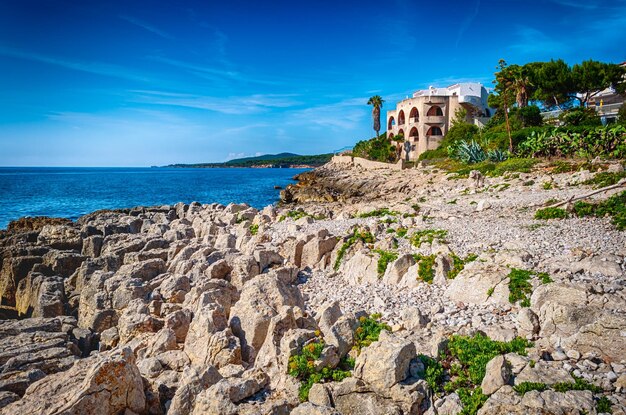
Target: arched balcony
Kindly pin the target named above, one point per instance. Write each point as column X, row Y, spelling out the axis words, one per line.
column 391, row 123
column 414, row 116
column 401, row 119
column 434, row 131
column 435, row 111
column 413, row 135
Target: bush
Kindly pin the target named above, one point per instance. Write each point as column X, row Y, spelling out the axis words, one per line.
column 529, row 116
column 579, row 116
column 551, row 213
column 363, row 236
column 524, row 387
column 433, row 372
column 378, row 149
column 456, row 133
column 368, row 331
column 605, row 179
column 302, row 366
column 468, row 152
column 427, row 235
column 383, row 261
column 425, row 267
column 614, row 206
column 254, row 229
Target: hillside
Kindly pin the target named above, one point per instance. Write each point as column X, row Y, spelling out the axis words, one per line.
column 266, row 160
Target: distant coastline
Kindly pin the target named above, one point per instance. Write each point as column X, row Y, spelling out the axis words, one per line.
column 267, row 161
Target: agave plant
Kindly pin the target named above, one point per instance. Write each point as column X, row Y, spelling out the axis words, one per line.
column 470, row 152
column 497, row 155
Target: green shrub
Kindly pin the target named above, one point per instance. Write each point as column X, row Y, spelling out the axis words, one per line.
column 378, row 213
column 604, row 405
column 401, row 232
column 302, row 366
column 254, row 229
column 473, row 353
column 614, row 206
column 357, row 235
column 551, row 213
column 472, row 400
column 368, row 331
column 427, row 235
column 383, row 261
column 433, row 372
column 468, row 152
column 579, row 116
column 524, row 387
column 458, row 264
column 520, row 288
column 456, row 133
column 378, row 149
column 521, row 165
column 605, row 179
column 425, row 267
column 579, row 384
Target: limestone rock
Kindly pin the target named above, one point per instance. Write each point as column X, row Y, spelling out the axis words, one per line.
column 473, row 284
column 385, row 362
column 497, row 374
column 103, row 384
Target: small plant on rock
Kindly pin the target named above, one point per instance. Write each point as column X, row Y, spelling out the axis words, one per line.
column 551, row 213
column 425, row 267
column 357, row 235
column 368, row 331
column 383, row 261
column 378, row 213
column 524, row 387
column 254, row 229
column 428, row 235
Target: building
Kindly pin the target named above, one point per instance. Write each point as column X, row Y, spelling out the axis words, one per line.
column 424, row 119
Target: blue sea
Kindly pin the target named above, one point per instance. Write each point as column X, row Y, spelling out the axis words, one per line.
column 72, row 192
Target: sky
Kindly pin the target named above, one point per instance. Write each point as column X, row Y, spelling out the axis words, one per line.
column 141, row 83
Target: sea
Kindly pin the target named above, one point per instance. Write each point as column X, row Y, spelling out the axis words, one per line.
column 71, row 192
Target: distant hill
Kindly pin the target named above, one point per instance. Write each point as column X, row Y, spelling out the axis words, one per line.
column 267, row 160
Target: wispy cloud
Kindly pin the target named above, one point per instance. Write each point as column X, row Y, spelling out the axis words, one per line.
column 147, row 27
column 226, row 105
column 532, row 42
column 97, row 68
column 586, row 4
column 343, row 115
column 466, row 23
column 210, row 72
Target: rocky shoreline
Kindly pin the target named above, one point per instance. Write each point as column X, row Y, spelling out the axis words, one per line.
column 201, row 309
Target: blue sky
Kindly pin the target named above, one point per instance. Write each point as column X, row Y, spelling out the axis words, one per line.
column 139, row 83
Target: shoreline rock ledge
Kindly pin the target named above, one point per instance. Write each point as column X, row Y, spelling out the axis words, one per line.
column 207, row 309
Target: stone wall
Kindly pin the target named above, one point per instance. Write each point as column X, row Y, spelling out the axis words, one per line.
column 367, row 164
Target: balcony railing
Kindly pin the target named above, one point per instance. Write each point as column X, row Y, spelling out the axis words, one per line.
column 435, row 119
column 414, row 120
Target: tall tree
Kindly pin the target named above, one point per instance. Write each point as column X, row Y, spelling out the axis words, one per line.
column 590, row 77
column 504, row 88
column 377, row 103
column 553, row 82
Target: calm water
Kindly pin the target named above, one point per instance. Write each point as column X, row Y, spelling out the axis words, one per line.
column 72, row 192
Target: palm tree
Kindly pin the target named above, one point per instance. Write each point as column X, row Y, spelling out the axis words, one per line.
column 377, row 103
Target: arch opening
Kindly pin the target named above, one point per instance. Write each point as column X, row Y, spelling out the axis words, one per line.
column 434, row 131
column 401, row 119
column 435, row 111
column 414, row 116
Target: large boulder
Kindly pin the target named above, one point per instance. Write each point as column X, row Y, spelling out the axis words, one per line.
column 474, row 284
column 106, row 383
column 385, row 362
column 40, row 296
column 260, row 300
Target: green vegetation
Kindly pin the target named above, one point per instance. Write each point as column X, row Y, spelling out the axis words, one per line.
column 380, row 148
column 377, row 213
column 401, row 232
column 433, row 372
column 604, row 405
column 605, row 179
column 473, row 353
column 458, row 264
column 357, row 235
column 614, row 206
column 275, row 160
column 547, row 185
column 376, row 102
column 427, row 235
column 579, row 384
column 524, row 387
column 254, row 229
column 490, row 291
column 385, row 258
column 472, row 400
column 520, row 287
column 302, row 366
column 425, row 267
column 368, row 331
column 551, row 213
